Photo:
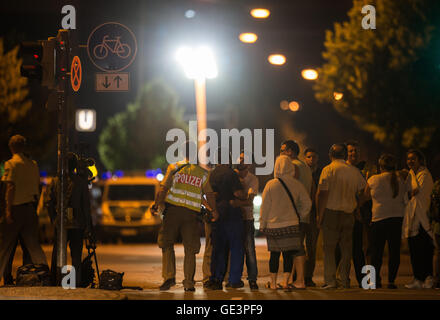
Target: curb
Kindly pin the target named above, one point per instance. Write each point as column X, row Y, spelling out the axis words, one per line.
column 58, row 293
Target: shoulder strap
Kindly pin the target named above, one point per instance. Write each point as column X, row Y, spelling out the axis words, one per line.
column 180, row 168
column 291, row 198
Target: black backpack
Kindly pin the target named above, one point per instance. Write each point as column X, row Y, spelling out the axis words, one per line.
column 33, row 275
column 111, row 280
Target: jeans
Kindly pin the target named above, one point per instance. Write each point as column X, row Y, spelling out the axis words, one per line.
column 249, row 248
column 227, row 237
column 421, row 250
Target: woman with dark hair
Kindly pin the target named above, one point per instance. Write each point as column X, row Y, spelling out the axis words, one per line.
column 387, row 191
column 416, row 226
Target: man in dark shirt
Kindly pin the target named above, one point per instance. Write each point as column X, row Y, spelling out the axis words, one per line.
column 311, row 229
column 78, row 218
column 227, row 231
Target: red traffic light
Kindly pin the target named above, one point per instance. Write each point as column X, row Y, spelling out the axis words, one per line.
column 31, row 54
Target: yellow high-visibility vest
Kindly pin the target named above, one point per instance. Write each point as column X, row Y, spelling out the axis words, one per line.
column 186, row 190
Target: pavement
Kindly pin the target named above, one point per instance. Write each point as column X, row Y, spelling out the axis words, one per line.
column 142, row 266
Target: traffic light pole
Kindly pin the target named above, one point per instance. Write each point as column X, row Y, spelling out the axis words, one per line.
column 48, row 61
column 62, row 93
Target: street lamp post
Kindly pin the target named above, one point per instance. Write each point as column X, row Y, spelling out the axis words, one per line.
column 199, row 65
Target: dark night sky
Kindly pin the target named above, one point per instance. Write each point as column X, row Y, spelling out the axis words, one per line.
column 247, row 85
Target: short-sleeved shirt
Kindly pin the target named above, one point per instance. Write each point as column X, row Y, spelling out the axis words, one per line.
column 249, row 182
column 24, row 174
column 304, row 174
column 225, row 182
column 384, row 204
column 343, row 182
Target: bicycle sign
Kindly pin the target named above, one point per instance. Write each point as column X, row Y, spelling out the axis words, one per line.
column 122, row 50
column 112, row 47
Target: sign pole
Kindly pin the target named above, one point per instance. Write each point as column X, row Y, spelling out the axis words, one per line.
column 63, row 37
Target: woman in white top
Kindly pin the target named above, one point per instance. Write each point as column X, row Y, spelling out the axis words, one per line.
column 416, row 226
column 387, row 191
column 279, row 221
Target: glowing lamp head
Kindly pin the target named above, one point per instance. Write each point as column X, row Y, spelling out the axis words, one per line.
column 309, row 74
column 248, row 37
column 197, row 63
column 260, row 13
column 294, row 106
column 284, row 105
column 338, row 95
column 277, row 59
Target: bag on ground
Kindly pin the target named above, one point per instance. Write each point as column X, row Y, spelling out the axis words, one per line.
column 110, row 280
column 33, row 275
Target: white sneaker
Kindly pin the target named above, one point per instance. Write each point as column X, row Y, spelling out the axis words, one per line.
column 416, row 284
column 429, row 283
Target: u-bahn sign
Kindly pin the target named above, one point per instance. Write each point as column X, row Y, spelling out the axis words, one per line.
column 112, row 47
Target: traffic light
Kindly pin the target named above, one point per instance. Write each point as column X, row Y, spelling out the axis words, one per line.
column 62, row 56
column 31, row 53
column 39, row 59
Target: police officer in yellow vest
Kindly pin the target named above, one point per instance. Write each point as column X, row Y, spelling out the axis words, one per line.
column 181, row 191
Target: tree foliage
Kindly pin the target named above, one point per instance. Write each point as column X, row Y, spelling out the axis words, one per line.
column 135, row 138
column 389, row 76
column 14, row 104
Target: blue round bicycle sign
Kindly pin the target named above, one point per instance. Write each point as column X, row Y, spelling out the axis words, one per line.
column 112, row 47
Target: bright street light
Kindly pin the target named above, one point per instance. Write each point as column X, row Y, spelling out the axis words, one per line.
column 309, row 74
column 199, row 64
column 260, row 13
column 277, row 59
column 248, row 37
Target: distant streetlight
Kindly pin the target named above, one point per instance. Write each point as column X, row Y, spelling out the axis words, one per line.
column 189, row 14
column 248, row 37
column 260, row 13
column 284, row 105
column 199, row 64
column 294, row 106
column 277, row 59
column 309, row 74
column 338, row 95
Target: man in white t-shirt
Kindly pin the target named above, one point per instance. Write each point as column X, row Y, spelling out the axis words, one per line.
column 22, row 180
column 338, row 188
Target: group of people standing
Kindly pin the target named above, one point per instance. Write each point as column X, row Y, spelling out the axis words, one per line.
column 19, row 197
column 350, row 203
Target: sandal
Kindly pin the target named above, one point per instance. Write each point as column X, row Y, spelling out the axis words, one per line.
column 267, row 285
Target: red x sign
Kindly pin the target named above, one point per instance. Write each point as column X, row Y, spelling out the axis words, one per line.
column 75, row 73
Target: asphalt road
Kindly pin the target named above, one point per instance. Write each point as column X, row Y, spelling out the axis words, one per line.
column 141, row 263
